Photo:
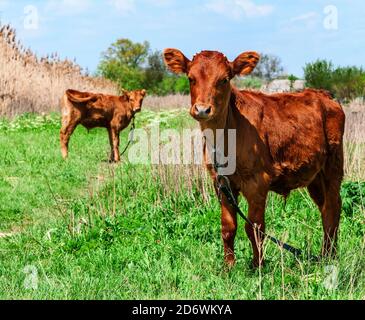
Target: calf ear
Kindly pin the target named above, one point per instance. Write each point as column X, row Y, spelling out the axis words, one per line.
column 176, row 61
column 245, row 63
column 80, row 97
column 144, row 92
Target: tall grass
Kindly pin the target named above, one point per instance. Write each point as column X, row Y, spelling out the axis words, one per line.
column 32, row 84
column 355, row 142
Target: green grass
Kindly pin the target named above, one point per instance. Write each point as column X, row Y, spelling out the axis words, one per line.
column 92, row 230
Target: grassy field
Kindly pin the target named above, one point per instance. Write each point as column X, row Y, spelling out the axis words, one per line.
column 84, row 229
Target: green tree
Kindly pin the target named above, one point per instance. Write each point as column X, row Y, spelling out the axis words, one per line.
column 319, row 75
column 127, row 53
column 155, row 72
column 123, row 63
column 133, row 66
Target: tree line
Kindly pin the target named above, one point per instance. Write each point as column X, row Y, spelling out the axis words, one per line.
column 134, row 66
column 344, row 83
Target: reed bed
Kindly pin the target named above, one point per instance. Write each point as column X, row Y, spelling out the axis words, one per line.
column 29, row 83
column 355, row 142
column 169, row 102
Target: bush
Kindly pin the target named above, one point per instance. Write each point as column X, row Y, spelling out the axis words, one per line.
column 171, row 84
column 353, row 197
column 348, row 83
column 126, row 77
column 344, row 83
column 292, row 78
column 182, row 85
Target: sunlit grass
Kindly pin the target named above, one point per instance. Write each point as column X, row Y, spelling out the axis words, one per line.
column 99, row 231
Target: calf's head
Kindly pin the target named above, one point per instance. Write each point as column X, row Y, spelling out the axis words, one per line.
column 136, row 99
column 210, row 74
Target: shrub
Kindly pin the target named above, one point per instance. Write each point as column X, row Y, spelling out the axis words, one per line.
column 292, row 78
column 345, row 83
column 182, row 85
column 348, row 83
column 353, row 197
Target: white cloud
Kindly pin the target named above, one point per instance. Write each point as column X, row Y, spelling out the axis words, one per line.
column 127, row 6
column 68, row 7
column 123, row 6
column 238, row 8
column 305, row 17
column 160, row 3
column 309, row 20
column 73, row 7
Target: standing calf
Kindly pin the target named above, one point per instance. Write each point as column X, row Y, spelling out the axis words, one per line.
column 284, row 142
column 97, row 110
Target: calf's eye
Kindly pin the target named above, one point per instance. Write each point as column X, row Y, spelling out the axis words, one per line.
column 224, row 81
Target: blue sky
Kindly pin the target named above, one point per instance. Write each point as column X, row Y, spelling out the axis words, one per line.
column 298, row 31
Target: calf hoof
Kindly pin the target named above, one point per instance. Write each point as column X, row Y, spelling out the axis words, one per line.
column 113, row 161
column 230, row 261
column 329, row 253
column 256, row 264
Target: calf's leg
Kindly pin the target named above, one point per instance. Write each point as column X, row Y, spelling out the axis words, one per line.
column 229, row 230
column 256, row 214
column 115, row 141
column 331, row 213
column 112, row 159
column 325, row 191
column 67, row 130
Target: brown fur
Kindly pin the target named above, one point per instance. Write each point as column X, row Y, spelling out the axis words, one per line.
column 284, row 142
column 114, row 113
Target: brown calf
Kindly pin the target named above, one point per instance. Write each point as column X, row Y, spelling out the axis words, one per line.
column 97, row 110
column 284, row 142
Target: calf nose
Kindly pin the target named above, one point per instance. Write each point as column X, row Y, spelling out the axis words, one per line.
column 202, row 112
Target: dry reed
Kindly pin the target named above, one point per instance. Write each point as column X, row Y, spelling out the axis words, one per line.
column 170, row 102
column 355, row 142
column 32, row 84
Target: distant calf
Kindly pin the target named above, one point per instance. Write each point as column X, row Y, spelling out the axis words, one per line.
column 114, row 113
